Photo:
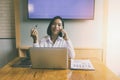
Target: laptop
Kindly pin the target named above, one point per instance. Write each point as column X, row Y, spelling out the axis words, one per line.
column 49, row 58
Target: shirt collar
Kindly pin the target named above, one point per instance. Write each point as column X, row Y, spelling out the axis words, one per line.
column 58, row 38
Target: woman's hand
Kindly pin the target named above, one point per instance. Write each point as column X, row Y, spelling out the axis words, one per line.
column 65, row 35
column 34, row 35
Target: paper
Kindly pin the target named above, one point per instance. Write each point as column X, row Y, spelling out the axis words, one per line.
column 81, row 64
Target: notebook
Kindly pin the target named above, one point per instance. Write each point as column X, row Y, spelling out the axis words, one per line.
column 84, row 64
column 50, row 58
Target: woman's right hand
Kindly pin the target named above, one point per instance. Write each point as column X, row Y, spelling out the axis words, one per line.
column 34, row 35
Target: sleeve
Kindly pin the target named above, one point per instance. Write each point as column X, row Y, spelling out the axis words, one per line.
column 40, row 43
column 70, row 48
column 36, row 45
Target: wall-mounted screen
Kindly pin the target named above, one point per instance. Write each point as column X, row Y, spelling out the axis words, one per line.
column 67, row 9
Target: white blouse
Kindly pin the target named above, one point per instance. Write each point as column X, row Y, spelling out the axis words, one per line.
column 60, row 42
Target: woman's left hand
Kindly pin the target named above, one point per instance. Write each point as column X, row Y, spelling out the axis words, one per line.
column 65, row 35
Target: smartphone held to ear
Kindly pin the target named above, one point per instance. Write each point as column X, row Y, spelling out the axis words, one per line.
column 61, row 34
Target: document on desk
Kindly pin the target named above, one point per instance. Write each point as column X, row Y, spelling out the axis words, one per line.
column 82, row 64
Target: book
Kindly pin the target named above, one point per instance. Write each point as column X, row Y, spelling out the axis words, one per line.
column 81, row 64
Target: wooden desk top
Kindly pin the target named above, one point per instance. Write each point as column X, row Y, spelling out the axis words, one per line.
column 101, row 72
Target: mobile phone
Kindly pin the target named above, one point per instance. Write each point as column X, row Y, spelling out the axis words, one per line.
column 61, row 34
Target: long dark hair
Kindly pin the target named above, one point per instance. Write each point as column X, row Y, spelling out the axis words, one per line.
column 51, row 22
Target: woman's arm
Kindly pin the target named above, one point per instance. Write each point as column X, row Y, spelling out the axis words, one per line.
column 68, row 44
column 70, row 48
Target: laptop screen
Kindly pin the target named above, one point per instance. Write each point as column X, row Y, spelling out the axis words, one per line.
column 49, row 57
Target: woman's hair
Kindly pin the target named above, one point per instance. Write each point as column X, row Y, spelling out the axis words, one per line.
column 51, row 22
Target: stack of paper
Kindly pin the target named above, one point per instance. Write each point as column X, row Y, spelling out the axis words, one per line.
column 82, row 64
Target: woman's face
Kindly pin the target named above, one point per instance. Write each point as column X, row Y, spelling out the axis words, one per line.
column 56, row 27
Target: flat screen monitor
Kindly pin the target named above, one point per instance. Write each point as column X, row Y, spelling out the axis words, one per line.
column 67, row 9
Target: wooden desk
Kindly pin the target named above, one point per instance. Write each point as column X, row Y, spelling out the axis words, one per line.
column 101, row 73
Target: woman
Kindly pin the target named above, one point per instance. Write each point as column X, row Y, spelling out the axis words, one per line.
column 57, row 36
